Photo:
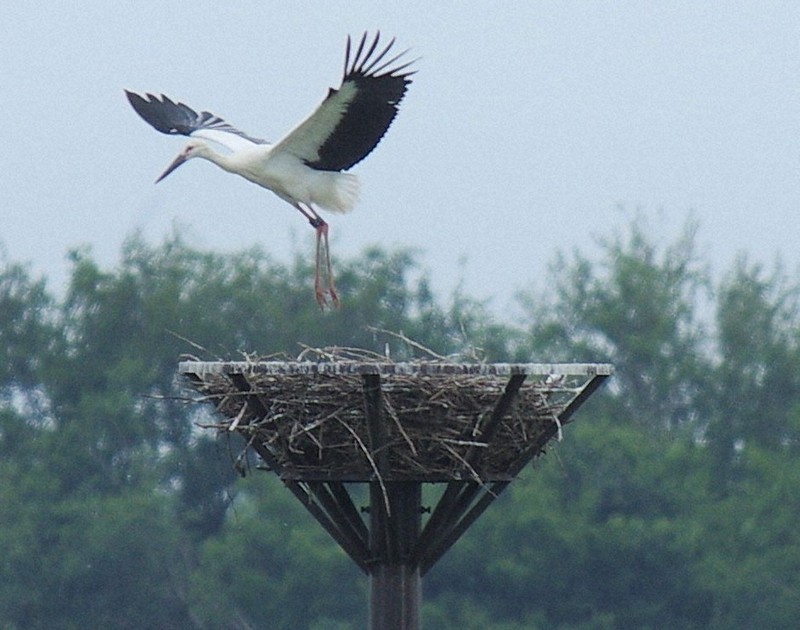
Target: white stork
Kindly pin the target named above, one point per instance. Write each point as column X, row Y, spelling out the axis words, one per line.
column 305, row 167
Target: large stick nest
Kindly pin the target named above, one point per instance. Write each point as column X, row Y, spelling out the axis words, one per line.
column 314, row 426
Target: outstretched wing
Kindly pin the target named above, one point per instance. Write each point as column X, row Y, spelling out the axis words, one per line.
column 172, row 118
column 351, row 121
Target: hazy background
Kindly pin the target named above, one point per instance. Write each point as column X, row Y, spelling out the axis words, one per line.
column 531, row 127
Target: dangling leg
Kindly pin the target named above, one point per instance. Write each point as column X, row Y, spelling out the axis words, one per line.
column 319, row 224
column 319, row 291
column 323, row 229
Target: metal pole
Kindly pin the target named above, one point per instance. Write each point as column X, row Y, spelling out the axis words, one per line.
column 395, row 582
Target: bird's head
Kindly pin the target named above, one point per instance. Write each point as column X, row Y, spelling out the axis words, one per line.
column 193, row 148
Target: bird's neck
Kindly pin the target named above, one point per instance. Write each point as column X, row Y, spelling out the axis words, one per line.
column 220, row 159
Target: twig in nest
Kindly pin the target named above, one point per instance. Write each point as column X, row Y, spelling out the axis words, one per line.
column 308, row 350
column 339, row 353
column 192, row 343
column 387, row 405
column 310, row 427
column 235, row 423
column 409, row 341
column 219, row 426
column 371, row 463
column 240, row 463
column 464, row 442
column 469, row 467
column 560, row 435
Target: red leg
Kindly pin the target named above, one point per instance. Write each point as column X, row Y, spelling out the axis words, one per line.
column 319, row 224
column 328, row 267
column 319, row 291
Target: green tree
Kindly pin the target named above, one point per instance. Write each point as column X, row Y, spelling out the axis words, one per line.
column 113, row 496
column 672, row 502
column 636, row 308
column 26, row 330
column 273, row 567
column 757, row 378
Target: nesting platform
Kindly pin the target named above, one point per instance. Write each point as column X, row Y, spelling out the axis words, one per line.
column 431, row 421
column 326, row 427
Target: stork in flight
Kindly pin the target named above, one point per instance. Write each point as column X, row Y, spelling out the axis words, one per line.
column 305, row 167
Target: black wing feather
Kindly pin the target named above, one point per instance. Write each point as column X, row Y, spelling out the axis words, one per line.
column 371, row 111
column 172, row 118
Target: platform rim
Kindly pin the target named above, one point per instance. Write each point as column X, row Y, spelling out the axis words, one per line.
column 388, row 368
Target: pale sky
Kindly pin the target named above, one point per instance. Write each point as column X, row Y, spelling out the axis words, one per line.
column 527, row 128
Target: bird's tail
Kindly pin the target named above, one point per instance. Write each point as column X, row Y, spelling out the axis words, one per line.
column 338, row 192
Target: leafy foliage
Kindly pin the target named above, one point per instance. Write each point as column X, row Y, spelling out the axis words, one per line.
column 672, row 502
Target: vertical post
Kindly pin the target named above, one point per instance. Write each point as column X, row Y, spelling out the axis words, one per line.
column 395, row 513
column 395, row 582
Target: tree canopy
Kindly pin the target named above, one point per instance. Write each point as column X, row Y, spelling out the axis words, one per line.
column 671, row 503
